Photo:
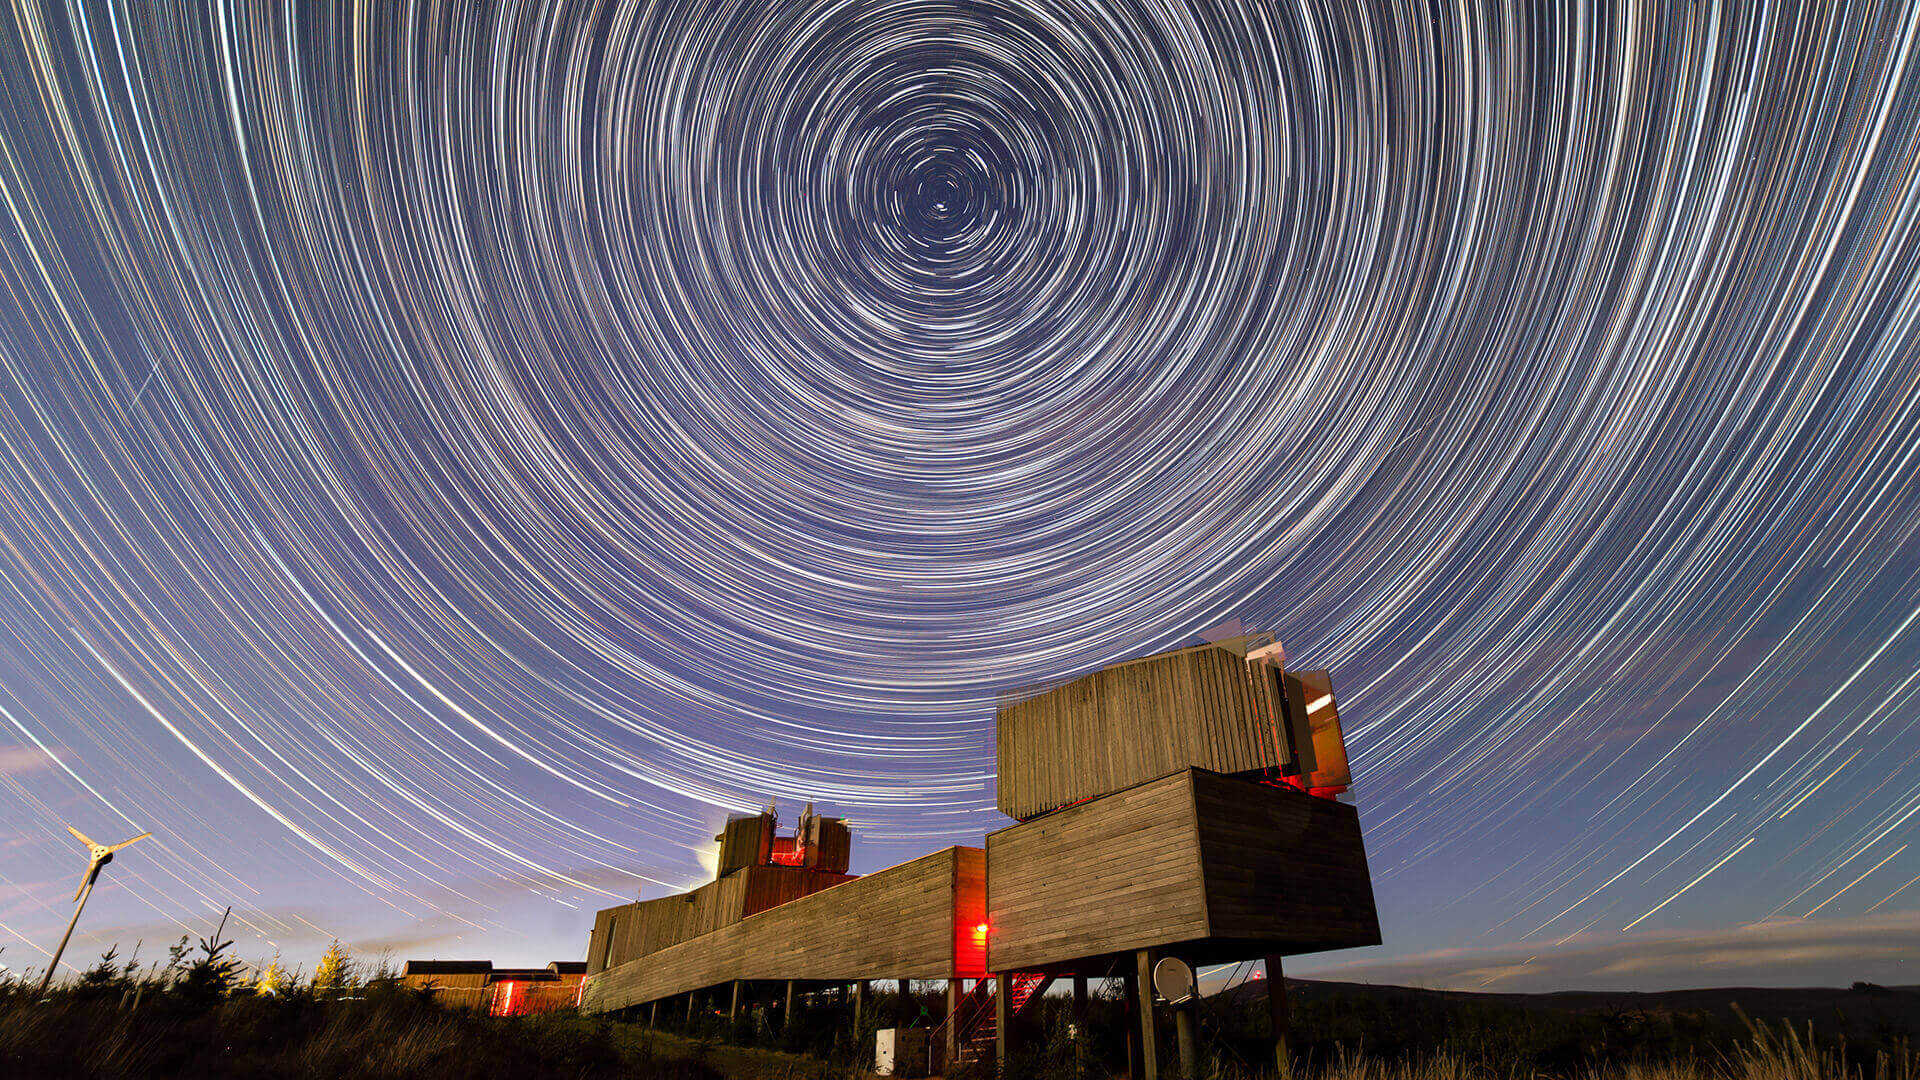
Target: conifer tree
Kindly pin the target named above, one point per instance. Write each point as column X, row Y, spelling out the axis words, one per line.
column 335, row 971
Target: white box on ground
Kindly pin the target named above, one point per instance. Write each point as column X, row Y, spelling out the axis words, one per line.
column 900, row 1052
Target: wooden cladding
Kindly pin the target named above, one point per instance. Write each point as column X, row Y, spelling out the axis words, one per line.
column 463, row 980
column 623, row 933
column 819, row 843
column 1203, row 865
column 770, row 886
column 746, row 840
column 1204, row 706
column 1283, row 869
column 902, row 922
column 829, row 845
column 1116, row 873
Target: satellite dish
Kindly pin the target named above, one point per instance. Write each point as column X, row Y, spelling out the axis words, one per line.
column 1173, row 980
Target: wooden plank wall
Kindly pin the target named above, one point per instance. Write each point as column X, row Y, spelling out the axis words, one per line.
column 745, row 841
column 970, row 913
column 1134, row 721
column 651, row 925
column 454, row 981
column 897, row 923
column 831, row 845
column 1208, row 866
column 597, row 941
column 673, row 919
column 1110, row 875
column 466, row 997
column 1282, row 867
column 770, row 886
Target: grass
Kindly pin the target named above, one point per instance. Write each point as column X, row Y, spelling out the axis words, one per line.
column 198, row 1018
column 1391, row 1034
column 381, row 1032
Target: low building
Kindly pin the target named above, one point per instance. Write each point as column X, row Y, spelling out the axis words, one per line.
column 477, row 984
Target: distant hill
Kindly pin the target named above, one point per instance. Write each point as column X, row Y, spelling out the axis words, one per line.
column 1872, row 1014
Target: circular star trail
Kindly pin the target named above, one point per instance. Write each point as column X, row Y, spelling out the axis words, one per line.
column 451, row 454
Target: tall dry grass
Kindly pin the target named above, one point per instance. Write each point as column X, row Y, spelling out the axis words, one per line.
column 1774, row 1053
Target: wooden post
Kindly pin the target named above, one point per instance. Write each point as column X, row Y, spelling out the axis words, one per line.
column 903, row 1004
column 1002, row 1017
column 859, row 1005
column 1130, row 1008
column 1079, row 1024
column 953, row 1024
column 786, row 1014
column 689, row 1010
column 1277, row 1006
column 1143, row 982
column 733, row 1010
column 1183, row 1035
column 653, row 1018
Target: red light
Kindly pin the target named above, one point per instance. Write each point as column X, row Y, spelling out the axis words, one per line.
column 511, row 1006
column 787, row 851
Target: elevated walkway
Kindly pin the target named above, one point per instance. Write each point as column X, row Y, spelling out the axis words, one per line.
column 918, row 920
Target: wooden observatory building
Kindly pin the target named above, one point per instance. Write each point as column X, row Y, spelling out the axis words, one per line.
column 1177, row 805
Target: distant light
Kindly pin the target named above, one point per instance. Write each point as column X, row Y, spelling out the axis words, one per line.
column 981, row 929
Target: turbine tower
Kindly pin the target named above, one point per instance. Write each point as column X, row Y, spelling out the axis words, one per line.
column 99, row 855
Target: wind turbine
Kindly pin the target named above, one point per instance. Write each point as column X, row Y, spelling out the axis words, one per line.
column 99, row 856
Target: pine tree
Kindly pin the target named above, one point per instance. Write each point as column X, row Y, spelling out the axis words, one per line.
column 335, row 971
column 213, row 974
column 272, row 980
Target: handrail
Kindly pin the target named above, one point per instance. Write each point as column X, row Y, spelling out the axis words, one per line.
column 965, row 1019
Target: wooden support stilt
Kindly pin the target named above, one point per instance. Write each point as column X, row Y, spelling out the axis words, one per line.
column 690, row 996
column 1079, row 1023
column 903, row 1004
column 1002, row 1017
column 1277, row 1007
column 653, row 1018
column 953, row 1024
column 733, row 1010
column 1183, row 1034
column 1143, row 985
column 859, row 1006
column 1130, row 1023
column 786, row 1013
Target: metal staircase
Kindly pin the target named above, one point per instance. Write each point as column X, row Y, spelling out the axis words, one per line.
column 975, row 1018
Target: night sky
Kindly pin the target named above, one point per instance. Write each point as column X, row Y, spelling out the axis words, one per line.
column 451, row 457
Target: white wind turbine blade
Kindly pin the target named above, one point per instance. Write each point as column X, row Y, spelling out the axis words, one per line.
column 82, row 837
column 128, row 843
